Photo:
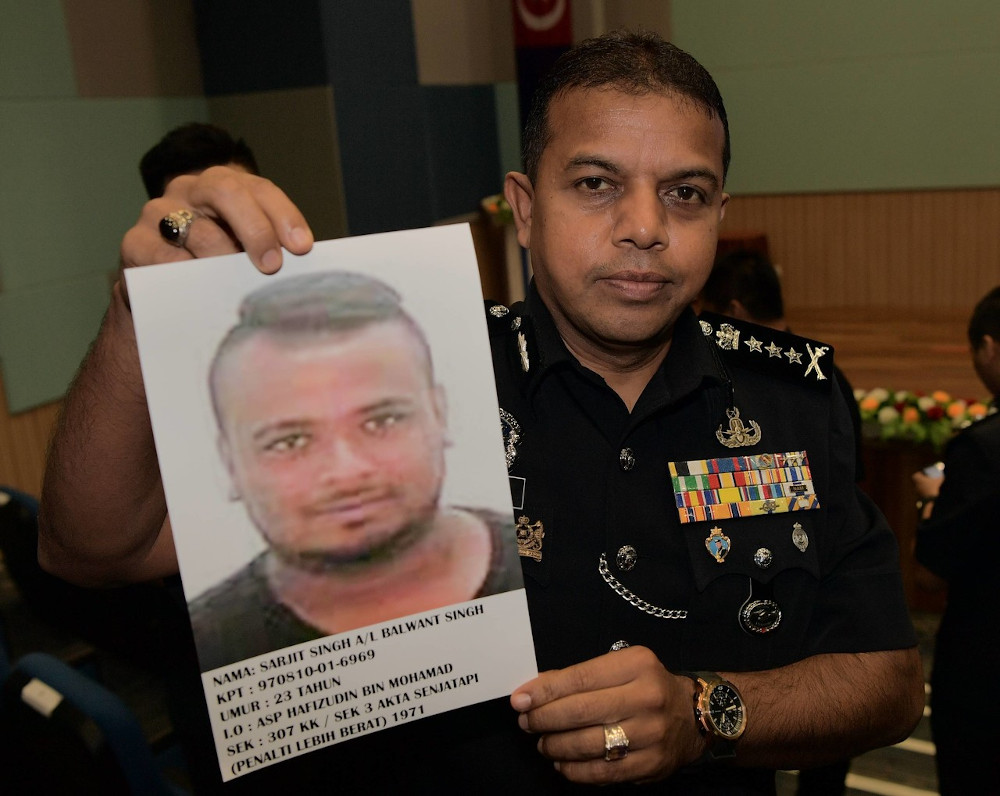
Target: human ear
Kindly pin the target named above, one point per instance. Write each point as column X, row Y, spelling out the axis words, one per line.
column 519, row 193
column 990, row 347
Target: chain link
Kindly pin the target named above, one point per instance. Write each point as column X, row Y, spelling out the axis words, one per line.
column 634, row 600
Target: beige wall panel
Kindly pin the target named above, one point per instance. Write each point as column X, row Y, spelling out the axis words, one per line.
column 123, row 48
column 908, row 249
column 594, row 17
column 646, row 14
column 24, row 441
column 293, row 133
column 465, row 43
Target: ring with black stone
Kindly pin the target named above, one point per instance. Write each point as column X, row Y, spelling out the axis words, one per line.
column 175, row 227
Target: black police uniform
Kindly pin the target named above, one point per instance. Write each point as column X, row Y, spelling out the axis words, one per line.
column 960, row 542
column 588, row 479
column 591, row 482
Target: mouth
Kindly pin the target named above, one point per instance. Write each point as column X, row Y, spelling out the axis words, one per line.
column 636, row 285
column 353, row 510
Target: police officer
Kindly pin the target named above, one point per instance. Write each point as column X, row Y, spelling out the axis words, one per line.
column 700, row 569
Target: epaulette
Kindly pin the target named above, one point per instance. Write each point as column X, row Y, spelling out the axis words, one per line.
column 761, row 348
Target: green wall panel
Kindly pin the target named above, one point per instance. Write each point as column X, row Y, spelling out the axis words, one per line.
column 508, row 129
column 44, row 333
column 35, row 59
column 853, row 95
column 71, row 184
column 71, row 188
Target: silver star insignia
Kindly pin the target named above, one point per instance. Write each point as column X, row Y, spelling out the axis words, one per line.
column 773, row 350
column 754, row 343
column 794, row 357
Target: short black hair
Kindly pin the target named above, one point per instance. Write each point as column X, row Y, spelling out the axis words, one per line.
column 311, row 306
column 746, row 276
column 636, row 63
column 985, row 319
column 192, row 147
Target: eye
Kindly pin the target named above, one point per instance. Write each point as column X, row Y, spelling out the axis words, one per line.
column 382, row 423
column 594, row 184
column 288, row 443
column 687, row 193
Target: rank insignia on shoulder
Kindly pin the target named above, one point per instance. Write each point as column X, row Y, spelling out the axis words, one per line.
column 782, row 353
column 728, row 337
column 742, row 486
column 498, row 310
column 529, row 538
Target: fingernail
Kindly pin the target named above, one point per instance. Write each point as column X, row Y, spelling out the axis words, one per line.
column 522, row 722
column 299, row 237
column 271, row 260
column 520, row 701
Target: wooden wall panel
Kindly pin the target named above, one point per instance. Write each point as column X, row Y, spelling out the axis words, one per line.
column 24, row 440
column 908, row 249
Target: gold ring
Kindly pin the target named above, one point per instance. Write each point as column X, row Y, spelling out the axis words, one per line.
column 175, row 227
column 615, row 742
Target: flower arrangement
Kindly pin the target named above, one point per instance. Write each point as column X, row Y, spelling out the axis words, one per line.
column 917, row 417
column 497, row 209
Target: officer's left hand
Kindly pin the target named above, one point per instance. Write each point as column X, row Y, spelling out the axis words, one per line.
column 569, row 708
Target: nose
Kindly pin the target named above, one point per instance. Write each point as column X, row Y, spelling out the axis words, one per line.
column 641, row 221
column 345, row 460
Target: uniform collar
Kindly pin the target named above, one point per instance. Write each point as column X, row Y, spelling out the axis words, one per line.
column 688, row 362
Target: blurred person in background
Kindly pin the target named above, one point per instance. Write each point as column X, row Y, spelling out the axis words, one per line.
column 958, row 546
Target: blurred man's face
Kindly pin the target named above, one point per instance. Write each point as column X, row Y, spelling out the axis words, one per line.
column 335, row 443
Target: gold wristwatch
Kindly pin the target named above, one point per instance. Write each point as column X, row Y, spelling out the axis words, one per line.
column 720, row 714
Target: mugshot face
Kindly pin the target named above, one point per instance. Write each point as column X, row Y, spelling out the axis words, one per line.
column 334, row 442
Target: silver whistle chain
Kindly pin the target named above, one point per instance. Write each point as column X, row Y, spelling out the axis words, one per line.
column 633, row 599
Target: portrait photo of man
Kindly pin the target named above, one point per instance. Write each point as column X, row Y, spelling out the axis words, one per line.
column 333, row 432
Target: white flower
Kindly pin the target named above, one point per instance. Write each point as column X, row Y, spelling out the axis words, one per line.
column 900, row 396
column 925, row 402
column 879, row 394
column 887, row 414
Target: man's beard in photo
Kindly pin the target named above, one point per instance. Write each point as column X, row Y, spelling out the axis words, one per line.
column 330, row 561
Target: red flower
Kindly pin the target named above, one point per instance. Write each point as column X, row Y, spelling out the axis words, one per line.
column 935, row 413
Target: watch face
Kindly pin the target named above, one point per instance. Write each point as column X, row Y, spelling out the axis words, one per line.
column 725, row 711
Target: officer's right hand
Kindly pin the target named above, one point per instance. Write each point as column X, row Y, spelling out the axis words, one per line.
column 235, row 211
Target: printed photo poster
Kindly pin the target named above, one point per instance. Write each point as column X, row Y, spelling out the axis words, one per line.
column 331, row 450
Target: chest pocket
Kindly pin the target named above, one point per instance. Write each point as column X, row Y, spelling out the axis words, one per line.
column 758, row 547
